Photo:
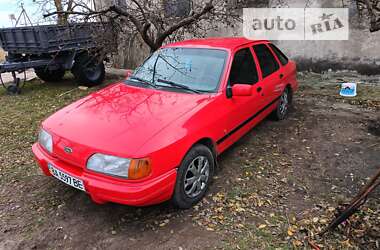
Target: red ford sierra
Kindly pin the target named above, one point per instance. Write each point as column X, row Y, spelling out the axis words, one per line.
column 156, row 136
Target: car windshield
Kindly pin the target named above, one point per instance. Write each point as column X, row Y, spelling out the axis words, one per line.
column 188, row 69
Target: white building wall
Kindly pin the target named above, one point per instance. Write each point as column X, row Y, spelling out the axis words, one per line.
column 360, row 52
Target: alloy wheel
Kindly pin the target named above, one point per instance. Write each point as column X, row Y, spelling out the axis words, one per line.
column 196, row 176
column 284, row 103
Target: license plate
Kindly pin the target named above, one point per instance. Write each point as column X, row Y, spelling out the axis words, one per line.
column 66, row 178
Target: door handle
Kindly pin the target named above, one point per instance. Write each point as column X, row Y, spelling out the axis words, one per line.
column 259, row 89
column 281, row 76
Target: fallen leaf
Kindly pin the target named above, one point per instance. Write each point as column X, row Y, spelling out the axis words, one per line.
column 262, row 226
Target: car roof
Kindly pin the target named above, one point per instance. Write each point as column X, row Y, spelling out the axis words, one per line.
column 228, row 43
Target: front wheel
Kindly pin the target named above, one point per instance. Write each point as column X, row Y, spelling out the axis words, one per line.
column 193, row 177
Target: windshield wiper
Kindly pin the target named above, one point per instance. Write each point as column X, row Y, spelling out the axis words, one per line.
column 177, row 85
column 143, row 81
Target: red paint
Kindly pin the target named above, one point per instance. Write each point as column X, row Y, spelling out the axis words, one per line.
column 242, row 89
column 135, row 122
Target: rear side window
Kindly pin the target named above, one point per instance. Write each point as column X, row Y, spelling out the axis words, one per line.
column 281, row 56
column 243, row 68
column 268, row 63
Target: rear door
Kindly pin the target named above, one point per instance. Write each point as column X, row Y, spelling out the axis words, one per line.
column 270, row 73
column 286, row 71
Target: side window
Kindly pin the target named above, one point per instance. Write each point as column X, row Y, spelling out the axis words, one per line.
column 268, row 63
column 243, row 68
column 281, row 56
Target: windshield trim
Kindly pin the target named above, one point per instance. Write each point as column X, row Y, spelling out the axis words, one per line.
column 211, row 91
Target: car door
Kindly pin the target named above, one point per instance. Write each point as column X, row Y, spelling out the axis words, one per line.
column 239, row 109
column 285, row 70
column 270, row 73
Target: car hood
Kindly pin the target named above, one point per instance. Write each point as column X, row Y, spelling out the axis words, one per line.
column 118, row 119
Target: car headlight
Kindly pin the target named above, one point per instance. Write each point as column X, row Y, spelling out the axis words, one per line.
column 45, row 140
column 121, row 167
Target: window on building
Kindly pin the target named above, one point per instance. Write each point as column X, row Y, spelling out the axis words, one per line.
column 177, row 8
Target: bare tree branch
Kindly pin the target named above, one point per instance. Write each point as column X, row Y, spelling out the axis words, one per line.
column 153, row 27
column 372, row 8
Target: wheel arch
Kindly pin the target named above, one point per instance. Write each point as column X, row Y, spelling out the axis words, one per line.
column 208, row 142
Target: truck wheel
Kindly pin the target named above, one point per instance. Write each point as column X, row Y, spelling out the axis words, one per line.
column 88, row 72
column 13, row 90
column 50, row 75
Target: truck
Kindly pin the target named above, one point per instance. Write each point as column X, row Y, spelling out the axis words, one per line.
column 51, row 50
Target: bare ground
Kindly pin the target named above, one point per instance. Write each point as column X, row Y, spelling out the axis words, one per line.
column 275, row 188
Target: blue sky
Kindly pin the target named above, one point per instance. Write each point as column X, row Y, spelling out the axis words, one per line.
column 8, row 7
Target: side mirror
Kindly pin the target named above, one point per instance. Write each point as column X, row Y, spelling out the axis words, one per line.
column 128, row 73
column 241, row 89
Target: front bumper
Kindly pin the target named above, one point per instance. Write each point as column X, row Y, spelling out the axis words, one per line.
column 104, row 189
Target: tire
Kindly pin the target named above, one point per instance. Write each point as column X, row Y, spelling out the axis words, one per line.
column 50, row 75
column 87, row 71
column 189, row 191
column 13, row 90
column 282, row 109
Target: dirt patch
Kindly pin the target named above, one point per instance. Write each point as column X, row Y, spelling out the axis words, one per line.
column 277, row 185
column 294, row 173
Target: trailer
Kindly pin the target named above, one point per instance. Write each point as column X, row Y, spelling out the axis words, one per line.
column 51, row 50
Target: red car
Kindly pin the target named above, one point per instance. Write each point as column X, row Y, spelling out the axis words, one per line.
column 156, row 135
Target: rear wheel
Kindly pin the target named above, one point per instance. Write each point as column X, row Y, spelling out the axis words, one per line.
column 282, row 109
column 49, row 75
column 193, row 176
column 88, row 71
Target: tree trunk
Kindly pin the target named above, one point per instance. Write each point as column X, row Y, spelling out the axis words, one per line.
column 61, row 17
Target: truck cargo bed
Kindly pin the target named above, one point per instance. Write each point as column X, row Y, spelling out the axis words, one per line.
column 48, row 38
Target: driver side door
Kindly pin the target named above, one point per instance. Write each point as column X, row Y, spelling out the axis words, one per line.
column 240, row 109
